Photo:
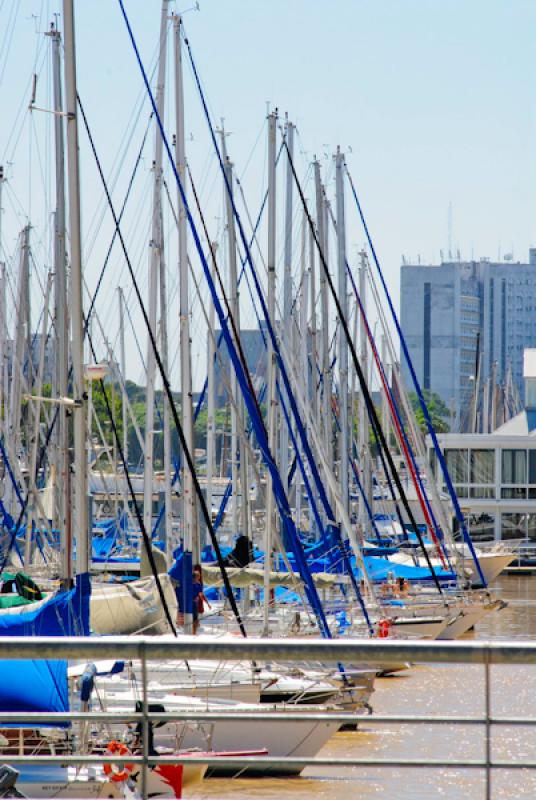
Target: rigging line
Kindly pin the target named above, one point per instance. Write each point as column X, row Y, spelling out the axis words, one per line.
column 406, row 409
column 243, row 273
column 118, row 159
column 230, row 316
column 417, row 385
column 8, row 36
column 315, row 476
column 125, row 201
column 397, row 420
column 354, row 464
column 139, row 517
column 228, row 308
column 372, row 414
column 167, row 388
column 136, row 339
column 233, row 324
column 54, row 419
column 403, row 439
column 18, row 122
column 244, row 432
column 260, row 429
column 281, row 497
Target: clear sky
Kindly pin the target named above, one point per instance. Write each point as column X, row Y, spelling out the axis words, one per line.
column 432, row 100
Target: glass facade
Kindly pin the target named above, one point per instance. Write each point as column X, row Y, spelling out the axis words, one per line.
column 481, row 527
column 472, row 472
column 514, row 526
column 494, row 474
column 514, row 475
column 458, row 465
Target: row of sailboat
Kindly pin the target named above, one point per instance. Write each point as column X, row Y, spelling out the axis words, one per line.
column 311, row 529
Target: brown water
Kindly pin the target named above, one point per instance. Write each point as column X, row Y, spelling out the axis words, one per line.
column 439, row 690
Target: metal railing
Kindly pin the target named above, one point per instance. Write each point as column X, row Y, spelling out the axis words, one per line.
column 385, row 652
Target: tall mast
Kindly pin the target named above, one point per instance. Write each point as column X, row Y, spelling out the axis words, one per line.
column 238, row 449
column 302, row 346
column 166, row 410
column 271, row 365
column 385, row 405
column 324, row 310
column 17, row 362
column 190, row 521
column 32, row 488
column 124, row 415
column 211, row 389
column 286, row 323
column 77, row 322
column 343, row 345
column 155, row 253
column 364, row 456
column 61, row 318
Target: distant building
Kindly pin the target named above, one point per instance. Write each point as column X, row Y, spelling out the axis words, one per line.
column 252, row 343
column 445, row 307
column 30, row 371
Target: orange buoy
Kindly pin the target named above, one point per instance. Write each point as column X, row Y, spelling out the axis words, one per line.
column 120, row 749
column 384, row 626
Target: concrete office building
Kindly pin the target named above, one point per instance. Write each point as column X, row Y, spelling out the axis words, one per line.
column 445, row 307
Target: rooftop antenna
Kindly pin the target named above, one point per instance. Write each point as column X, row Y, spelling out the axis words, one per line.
column 186, row 10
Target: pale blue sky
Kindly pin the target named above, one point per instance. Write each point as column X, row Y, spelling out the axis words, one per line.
column 436, row 99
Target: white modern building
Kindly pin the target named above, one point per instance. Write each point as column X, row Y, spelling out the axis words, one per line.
column 495, row 474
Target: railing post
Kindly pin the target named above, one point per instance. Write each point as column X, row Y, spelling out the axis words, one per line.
column 144, row 723
column 487, row 694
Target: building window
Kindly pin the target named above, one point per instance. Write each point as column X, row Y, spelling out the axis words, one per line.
column 472, row 472
column 514, row 466
column 532, row 466
column 458, row 465
column 482, row 492
column 531, row 527
column 481, row 527
column 483, row 466
column 513, row 526
column 432, row 460
column 513, row 493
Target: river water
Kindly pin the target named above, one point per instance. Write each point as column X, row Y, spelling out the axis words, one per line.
column 439, row 690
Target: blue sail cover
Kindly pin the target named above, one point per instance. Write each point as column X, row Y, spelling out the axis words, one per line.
column 64, row 614
column 33, row 686
column 380, row 569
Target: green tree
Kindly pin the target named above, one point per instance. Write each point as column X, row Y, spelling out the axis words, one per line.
column 437, row 409
column 102, row 413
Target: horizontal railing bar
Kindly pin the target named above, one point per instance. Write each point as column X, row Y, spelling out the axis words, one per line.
column 41, row 717
column 332, row 651
column 261, row 761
